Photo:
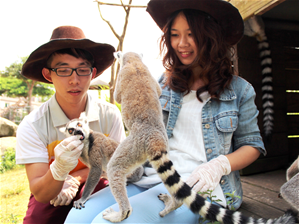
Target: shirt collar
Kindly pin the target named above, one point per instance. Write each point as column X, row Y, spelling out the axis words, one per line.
column 92, row 109
column 59, row 118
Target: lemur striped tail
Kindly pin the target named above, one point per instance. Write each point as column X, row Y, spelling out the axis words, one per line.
column 267, row 85
column 197, row 204
column 255, row 27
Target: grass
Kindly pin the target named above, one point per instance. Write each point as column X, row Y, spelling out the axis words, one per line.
column 14, row 195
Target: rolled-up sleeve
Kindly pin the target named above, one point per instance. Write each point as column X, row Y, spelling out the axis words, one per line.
column 248, row 132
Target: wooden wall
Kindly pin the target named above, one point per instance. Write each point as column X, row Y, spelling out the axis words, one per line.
column 283, row 148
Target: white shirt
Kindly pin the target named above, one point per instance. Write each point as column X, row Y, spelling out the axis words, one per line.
column 39, row 133
column 187, row 150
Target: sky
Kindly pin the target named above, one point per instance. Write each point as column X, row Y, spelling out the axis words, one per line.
column 27, row 24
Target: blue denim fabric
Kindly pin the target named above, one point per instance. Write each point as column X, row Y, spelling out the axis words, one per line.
column 227, row 125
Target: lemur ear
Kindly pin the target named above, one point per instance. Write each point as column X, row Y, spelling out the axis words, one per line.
column 62, row 129
column 83, row 117
column 118, row 55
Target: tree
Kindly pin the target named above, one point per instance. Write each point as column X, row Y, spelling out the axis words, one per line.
column 115, row 66
column 13, row 84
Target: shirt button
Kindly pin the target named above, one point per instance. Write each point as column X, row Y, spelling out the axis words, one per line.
column 209, row 151
column 222, row 181
column 207, row 126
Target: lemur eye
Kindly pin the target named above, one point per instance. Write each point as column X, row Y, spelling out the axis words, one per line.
column 71, row 130
column 79, row 125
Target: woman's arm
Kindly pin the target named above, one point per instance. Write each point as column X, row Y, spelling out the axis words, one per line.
column 242, row 157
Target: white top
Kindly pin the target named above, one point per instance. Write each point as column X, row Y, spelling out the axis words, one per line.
column 38, row 133
column 187, row 149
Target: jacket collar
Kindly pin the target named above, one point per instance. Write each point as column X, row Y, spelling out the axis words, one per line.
column 228, row 94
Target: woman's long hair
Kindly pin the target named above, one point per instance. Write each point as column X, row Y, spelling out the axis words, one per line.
column 214, row 55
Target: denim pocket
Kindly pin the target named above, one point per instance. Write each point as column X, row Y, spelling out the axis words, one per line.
column 226, row 124
column 165, row 102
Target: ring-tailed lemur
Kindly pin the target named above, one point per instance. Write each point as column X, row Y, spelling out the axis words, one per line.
column 96, row 154
column 138, row 93
column 254, row 27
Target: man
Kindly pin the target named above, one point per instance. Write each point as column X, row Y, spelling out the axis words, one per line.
column 56, row 177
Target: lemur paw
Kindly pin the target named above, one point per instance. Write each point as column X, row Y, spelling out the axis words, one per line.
column 114, row 216
column 170, row 204
column 79, row 204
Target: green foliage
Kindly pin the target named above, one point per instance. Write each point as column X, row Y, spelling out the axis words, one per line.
column 229, row 203
column 116, row 104
column 232, row 196
column 14, row 194
column 14, row 70
column 13, row 84
column 13, row 87
column 43, row 89
column 8, row 160
column 11, row 218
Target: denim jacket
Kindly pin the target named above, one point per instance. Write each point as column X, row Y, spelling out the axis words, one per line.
column 227, row 125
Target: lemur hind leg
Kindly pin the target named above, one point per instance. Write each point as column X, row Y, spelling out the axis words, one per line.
column 170, row 204
column 157, row 150
column 123, row 162
column 135, row 175
column 92, row 181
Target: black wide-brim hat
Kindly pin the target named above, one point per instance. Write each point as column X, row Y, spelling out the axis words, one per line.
column 67, row 37
column 227, row 16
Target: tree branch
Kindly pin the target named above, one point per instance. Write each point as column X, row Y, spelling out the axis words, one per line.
column 109, row 24
column 114, row 4
column 126, row 20
column 115, row 66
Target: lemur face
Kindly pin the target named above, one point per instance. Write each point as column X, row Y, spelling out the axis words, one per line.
column 76, row 130
column 77, row 127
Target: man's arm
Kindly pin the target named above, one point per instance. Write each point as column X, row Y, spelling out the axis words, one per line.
column 42, row 184
column 45, row 183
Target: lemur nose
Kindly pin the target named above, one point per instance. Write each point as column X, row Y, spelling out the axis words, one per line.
column 78, row 132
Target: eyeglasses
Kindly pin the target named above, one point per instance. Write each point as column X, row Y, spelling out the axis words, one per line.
column 64, row 72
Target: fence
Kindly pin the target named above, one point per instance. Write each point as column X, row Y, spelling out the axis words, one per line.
column 14, row 113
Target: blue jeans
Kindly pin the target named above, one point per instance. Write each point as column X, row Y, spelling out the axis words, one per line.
column 145, row 203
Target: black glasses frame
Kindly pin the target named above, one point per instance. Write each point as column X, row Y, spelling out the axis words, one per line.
column 73, row 69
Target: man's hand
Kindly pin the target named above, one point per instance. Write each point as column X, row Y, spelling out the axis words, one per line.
column 67, row 154
column 68, row 192
column 207, row 175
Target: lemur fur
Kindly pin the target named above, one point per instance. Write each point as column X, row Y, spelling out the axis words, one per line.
column 138, row 93
column 96, row 154
column 290, row 190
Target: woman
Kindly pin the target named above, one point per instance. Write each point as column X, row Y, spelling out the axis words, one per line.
column 209, row 114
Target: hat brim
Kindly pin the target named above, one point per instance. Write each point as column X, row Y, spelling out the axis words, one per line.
column 225, row 14
column 102, row 54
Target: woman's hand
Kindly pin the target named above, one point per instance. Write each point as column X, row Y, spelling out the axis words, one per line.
column 207, row 175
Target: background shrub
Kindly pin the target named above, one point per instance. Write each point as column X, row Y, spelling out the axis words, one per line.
column 8, row 160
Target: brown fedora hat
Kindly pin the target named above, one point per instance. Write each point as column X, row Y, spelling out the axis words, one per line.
column 67, row 37
column 223, row 12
